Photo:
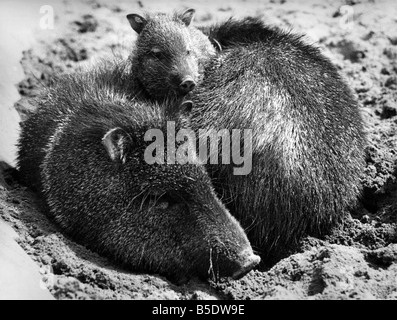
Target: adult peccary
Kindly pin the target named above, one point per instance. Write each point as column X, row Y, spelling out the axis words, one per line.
column 86, row 145
column 169, row 54
column 307, row 134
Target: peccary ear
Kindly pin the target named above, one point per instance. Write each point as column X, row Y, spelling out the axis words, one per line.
column 186, row 108
column 115, row 142
column 187, row 16
column 137, row 22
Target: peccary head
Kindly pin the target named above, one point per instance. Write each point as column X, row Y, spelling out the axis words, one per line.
column 176, row 225
column 103, row 187
column 169, row 53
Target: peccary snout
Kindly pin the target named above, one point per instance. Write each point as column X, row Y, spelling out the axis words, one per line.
column 221, row 244
column 187, row 85
column 250, row 261
column 237, row 265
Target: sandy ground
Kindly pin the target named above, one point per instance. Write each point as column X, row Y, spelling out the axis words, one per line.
column 357, row 260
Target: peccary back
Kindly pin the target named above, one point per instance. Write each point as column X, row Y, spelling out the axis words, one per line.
column 307, row 145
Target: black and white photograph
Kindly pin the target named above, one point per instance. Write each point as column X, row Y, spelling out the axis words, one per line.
column 202, row 152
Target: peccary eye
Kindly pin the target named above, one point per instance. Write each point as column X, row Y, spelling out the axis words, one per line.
column 162, row 205
column 188, row 52
column 163, row 202
column 156, row 53
column 166, row 201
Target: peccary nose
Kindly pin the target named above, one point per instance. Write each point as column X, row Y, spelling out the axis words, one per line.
column 250, row 261
column 187, row 85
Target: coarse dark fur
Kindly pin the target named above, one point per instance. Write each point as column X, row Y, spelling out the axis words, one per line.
column 308, row 135
column 103, row 83
column 167, row 52
column 84, row 149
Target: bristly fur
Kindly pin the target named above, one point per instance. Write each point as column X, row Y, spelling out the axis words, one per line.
column 308, row 135
column 84, row 150
column 160, row 77
column 108, row 83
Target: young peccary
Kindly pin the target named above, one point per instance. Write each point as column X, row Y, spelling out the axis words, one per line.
column 169, row 55
column 307, row 134
column 88, row 151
